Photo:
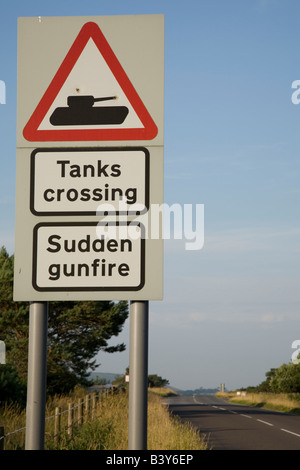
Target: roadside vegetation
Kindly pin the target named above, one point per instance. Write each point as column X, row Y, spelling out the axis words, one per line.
column 108, row 430
column 280, row 391
column 283, row 402
column 77, row 332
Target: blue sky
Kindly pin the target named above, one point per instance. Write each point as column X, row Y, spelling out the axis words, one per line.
column 232, row 142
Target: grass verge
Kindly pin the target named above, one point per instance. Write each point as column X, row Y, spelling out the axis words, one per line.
column 108, row 430
column 283, row 402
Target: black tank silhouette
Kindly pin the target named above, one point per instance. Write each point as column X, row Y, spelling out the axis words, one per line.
column 80, row 111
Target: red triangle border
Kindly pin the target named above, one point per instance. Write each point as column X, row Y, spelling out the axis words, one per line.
column 33, row 134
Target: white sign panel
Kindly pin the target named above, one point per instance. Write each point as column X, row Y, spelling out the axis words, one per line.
column 90, row 134
column 88, row 257
column 91, row 79
column 89, row 181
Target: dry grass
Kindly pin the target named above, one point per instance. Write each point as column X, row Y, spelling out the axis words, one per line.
column 169, row 433
column 108, row 430
column 163, row 391
column 13, row 419
column 287, row 403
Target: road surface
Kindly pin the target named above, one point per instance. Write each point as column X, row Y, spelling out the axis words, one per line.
column 237, row 427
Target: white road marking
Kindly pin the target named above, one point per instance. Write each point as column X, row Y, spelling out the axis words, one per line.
column 265, row 422
column 290, row 432
column 198, row 402
column 250, row 417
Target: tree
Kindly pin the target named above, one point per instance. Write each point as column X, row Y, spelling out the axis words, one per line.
column 286, row 379
column 265, row 385
column 77, row 331
column 153, row 380
column 157, row 381
column 11, row 388
column 14, row 328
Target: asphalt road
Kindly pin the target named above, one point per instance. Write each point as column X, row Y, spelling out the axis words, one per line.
column 227, row 426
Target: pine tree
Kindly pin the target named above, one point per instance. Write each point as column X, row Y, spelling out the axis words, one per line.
column 77, row 331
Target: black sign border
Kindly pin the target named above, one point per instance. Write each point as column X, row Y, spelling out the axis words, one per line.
column 86, row 288
column 89, row 149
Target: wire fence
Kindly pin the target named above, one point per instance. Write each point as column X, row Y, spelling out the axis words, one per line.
column 60, row 424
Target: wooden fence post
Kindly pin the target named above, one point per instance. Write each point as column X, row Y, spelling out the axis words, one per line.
column 87, row 407
column 80, row 412
column 93, row 406
column 70, row 420
column 99, row 401
column 57, row 422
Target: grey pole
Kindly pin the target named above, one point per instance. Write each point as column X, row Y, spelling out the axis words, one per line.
column 37, row 367
column 138, row 375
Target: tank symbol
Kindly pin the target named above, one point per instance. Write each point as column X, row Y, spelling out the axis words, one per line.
column 81, row 111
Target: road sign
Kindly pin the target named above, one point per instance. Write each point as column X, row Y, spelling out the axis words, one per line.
column 31, row 206
column 81, row 81
column 89, row 152
column 107, row 107
column 89, row 257
column 91, row 79
column 82, row 181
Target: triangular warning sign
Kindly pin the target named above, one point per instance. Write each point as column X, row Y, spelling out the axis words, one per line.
column 90, row 98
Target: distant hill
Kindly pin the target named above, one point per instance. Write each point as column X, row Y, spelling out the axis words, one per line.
column 197, row 391
column 108, row 376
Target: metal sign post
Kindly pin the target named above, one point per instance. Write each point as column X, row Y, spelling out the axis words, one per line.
column 138, row 375
column 37, row 368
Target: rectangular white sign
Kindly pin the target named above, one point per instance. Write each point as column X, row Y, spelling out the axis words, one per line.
column 88, row 257
column 90, row 136
column 85, row 181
